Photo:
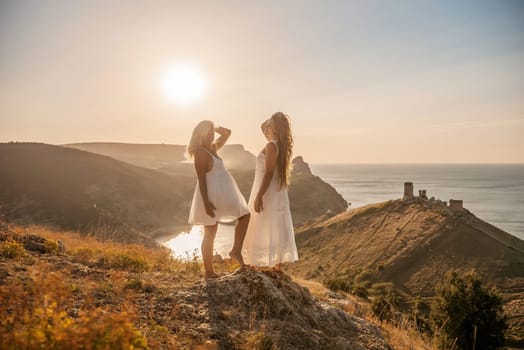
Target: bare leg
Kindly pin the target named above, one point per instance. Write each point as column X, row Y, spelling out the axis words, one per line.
column 240, row 234
column 208, row 242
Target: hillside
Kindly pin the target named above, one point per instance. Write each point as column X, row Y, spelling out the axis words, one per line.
column 98, row 295
column 413, row 243
column 79, row 190
column 309, row 195
column 84, row 191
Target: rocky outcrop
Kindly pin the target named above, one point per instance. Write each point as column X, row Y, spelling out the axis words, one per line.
column 311, row 198
column 300, row 167
column 175, row 309
column 268, row 301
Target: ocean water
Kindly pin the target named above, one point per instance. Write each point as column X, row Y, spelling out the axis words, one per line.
column 493, row 192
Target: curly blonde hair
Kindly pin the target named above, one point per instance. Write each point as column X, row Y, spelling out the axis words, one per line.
column 282, row 126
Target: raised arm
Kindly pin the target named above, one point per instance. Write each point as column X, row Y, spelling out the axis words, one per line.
column 201, row 167
column 271, row 162
column 222, row 139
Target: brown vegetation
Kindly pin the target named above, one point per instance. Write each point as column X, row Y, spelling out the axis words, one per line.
column 97, row 295
column 412, row 244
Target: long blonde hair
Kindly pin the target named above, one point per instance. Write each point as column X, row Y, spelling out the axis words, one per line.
column 285, row 150
column 199, row 133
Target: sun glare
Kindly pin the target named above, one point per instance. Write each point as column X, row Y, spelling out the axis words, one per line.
column 184, row 85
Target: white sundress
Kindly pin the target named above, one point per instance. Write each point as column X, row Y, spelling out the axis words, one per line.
column 270, row 238
column 223, row 192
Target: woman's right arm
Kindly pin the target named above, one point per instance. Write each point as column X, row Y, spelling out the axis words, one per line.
column 201, row 159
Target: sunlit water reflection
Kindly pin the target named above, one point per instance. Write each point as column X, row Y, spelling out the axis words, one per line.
column 186, row 245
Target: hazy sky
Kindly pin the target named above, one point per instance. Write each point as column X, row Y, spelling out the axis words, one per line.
column 363, row 81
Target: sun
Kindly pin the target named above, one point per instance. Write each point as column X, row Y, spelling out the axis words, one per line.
column 184, row 84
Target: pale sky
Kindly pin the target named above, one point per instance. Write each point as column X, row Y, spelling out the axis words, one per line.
column 363, row 81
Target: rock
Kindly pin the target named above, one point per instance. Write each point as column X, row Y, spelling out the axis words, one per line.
column 310, row 197
column 299, row 166
column 268, row 300
column 34, row 243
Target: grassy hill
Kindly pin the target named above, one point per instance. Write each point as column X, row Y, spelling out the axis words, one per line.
column 79, row 190
column 412, row 244
column 63, row 291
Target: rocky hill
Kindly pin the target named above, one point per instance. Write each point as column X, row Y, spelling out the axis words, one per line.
column 413, row 243
column 128, row 296
column 311, row 198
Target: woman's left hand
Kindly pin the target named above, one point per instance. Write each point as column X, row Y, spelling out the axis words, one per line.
column 259, row 205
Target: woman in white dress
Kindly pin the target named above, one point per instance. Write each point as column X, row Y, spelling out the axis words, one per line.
column 217, row 198
column 270, row 239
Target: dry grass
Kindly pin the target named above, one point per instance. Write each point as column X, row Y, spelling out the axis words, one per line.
column 401, row 335
column 87, row 297
column 111, row 255
column 11, row 249
column 50, row 307
column 37, row 314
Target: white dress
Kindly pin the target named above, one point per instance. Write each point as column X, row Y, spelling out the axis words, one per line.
column 270, row 238
column 223, row 192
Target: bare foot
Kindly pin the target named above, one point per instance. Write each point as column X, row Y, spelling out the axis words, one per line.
column 237, row 257
column 212, row 275
column 278, row 267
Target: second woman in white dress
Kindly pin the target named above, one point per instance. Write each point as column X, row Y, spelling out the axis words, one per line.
column 270, row 239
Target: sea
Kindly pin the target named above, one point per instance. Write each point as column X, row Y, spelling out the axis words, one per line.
column 492, row 192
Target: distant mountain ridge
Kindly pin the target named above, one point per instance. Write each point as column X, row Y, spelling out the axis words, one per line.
column 164, row 157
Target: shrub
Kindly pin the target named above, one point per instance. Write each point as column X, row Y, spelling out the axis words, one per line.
column 127, row 261
column 467, row 316
column 383, row 288
column 35, row 317
column 11, row 249
column 364, row 276
column 382, row 309
column 134, row 284
column 338, row 283
column 260, row 341
column 51, row 247
column 360, row 291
